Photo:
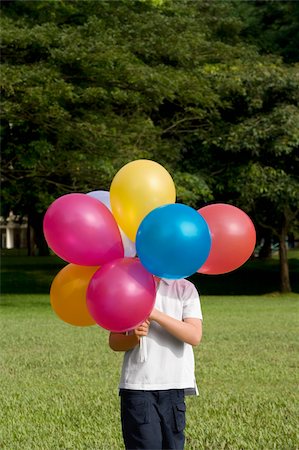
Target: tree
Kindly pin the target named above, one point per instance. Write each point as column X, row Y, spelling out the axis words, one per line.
column 88, row 86
column 255, row 155
column 273, row 194
column 273, row 26
column 81, row 95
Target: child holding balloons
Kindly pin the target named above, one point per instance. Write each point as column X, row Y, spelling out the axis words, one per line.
column 158, row 368
column 173, row 241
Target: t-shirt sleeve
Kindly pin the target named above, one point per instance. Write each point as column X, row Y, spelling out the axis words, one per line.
column 191, row 302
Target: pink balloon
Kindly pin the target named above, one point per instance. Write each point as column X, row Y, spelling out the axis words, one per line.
column 121, row 295
column 233, row 238
column 81, row 230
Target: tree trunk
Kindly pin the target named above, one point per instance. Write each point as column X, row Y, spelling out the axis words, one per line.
column 30, row 240
column 285, row 284
column 35, row 221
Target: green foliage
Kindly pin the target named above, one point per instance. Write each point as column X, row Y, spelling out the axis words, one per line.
column 192, row 189
column 82, row 97
column 271, row 193
column 273, row 26
column 89, row 86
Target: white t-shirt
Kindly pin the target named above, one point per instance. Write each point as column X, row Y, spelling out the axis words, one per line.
column 169, row 362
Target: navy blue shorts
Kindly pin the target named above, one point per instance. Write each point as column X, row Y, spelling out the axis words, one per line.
column 153, row 419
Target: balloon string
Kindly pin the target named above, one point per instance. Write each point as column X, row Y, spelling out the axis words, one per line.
column 143, row 349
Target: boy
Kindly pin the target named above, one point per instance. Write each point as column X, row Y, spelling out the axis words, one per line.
column 158, row 368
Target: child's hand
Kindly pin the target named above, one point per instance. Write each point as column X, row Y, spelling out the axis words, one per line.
column 142, row 330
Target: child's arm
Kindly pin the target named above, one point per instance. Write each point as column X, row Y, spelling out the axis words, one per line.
column 120, row 342
column 189, row 330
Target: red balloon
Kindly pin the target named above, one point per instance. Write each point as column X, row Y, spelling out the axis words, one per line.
column 121, row 295
column 233, row 238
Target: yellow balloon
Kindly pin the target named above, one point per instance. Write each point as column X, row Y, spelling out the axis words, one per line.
column 139, row 187
column 68, row 294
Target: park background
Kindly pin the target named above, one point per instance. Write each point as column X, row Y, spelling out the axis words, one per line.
column 208, row 89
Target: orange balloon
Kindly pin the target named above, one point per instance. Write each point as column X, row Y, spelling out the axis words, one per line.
column 68, row 294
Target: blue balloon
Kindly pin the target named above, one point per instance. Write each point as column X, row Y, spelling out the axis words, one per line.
column 173, row 241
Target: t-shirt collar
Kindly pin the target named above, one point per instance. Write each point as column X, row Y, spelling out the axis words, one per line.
column 167, row 280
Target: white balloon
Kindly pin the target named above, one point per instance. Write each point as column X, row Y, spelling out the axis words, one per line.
column 104, row 197
column 129, row 246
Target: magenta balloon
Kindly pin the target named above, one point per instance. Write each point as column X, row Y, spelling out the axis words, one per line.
column 121, row 295
column 233, row 238
column 81, row 230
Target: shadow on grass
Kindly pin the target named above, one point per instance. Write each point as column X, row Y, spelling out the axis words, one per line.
column 34, row 275
column 256, row 277
column 29, row 274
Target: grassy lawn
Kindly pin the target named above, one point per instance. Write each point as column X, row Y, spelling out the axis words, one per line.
column 59, row 383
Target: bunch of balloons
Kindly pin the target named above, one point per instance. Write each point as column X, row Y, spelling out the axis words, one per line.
column 99, row 234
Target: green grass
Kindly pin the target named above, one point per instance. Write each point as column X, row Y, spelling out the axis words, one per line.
column 58, row 386
column 247, row 366
column 58, row 382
